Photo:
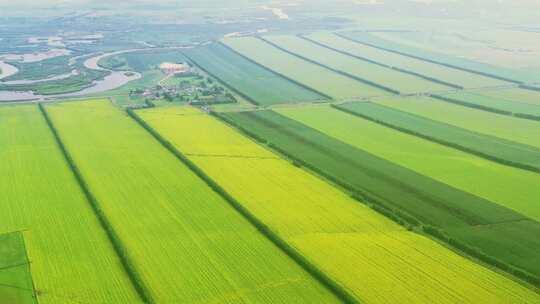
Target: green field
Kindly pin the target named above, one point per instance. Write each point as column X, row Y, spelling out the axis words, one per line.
column 371, row 256
column 491, row 147
column 499, row 105
column 473, row 221
column 71, row 257
column 424, row 68
column 256, row 83
column 438, row 57
column 515, row 94
column 335, row 85
column 507, row 186
column 186, row 243
column 402, row 82
column 15, row 278
column 141, row 61
column 526, row 132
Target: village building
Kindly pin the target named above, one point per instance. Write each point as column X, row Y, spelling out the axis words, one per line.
column 174, row 68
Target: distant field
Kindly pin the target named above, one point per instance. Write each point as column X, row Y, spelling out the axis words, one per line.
column 377, row 260
column 515, row 94
column 437, row 57
column 404, row 83
column 495, row 148
column 475, row 222
column 185, row 241
column 510, row 187
column 253, row 81
column 141, row 61
column 513, row 129
column 428, row 69
column 71, row 257
column 335, row 85
column 494, row 104
column 15, row 277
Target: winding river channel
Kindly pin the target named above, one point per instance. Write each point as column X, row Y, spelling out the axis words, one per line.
column 112, row 81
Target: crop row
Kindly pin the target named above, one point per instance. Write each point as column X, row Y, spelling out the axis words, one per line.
column 466, row 218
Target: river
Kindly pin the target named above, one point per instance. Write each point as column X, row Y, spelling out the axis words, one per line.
column 112, row 81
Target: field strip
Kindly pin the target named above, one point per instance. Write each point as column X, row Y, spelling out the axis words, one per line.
column 492, row 104
column 71, row 257
column 186, row 243
column 250, row 80
column 16, row 285
column 330, row 68
column 340, row 292
column 359, row 248
column 510, row 129
column 381, row 46
column 507, row 186
column 375, row 74
column 495, row 149
column 380, row 63
column 335, row 85
column 445, row 212
column 112, row 235
column 431, row 71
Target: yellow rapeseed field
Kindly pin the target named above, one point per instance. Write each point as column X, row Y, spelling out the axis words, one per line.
column 185, row 241
column 371, row 256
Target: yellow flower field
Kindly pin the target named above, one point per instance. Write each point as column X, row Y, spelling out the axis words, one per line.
column 371, row 256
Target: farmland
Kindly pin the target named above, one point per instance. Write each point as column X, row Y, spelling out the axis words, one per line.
column 423, row 53
column 378, row 75
column 256, row 83
column 71, row 257
column 494, row 104
column 507, row 186
column 141, row 61
column 494, row 148
column 515, row 94
column 335, row 85
column 15, row 278
column 329, row 228
column 184, row 242
column 269, row 152
column 507, row 128
column 412, row 65
column 469, row 219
